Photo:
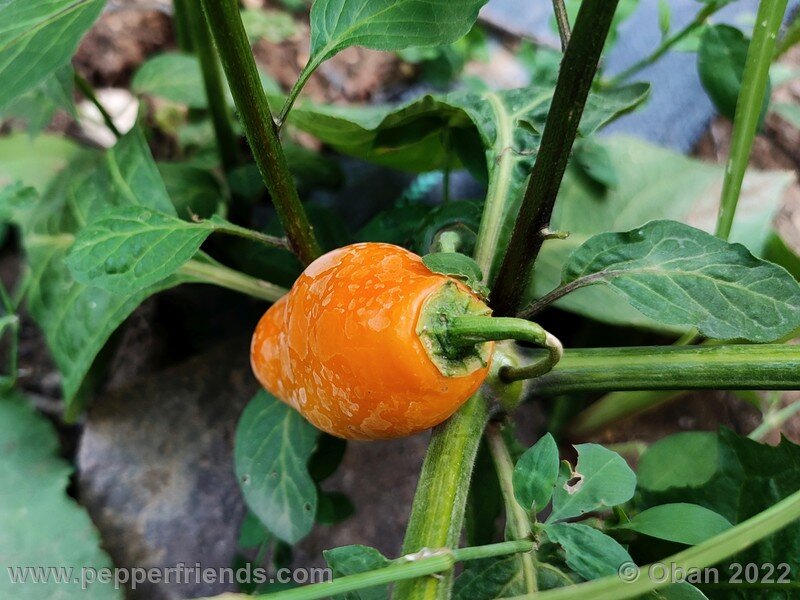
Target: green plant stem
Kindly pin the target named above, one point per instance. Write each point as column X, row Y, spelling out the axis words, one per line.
column 705, row 554
column 790, row 37
column 562, row 20
column 472, row 330
column 227, row 144
column 86, row 89
column 572, row 89
column 755, row 81
column 616, row 406
column 249, row 234
column 207, row 272
column 517, row 523
column 407, row 567
column 775, row 420
column 666, row 44
column 724, row 367
column 298, row 86
column 262, row 134
column 180, row 22
column 437, row 514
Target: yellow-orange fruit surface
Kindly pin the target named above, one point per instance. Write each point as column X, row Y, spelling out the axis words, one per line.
column 342, row 347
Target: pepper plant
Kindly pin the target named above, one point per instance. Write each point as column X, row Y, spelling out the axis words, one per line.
column 594, row 228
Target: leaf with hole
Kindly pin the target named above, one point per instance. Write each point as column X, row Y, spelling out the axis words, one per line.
column 601, row 479
column 272, row 449
column 682, row 276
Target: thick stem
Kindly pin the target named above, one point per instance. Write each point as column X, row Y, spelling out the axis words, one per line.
column 710, row 552
column 725, row 367
column 215, row 91
column 180, row 22
column 262, row 134
column 572, row 89
column 562, row 20
column 755, row 81
column 207, row 272
column 437, row 514
column 407, row 567
column 666, row 44
column 86, row 89
column 517, row 524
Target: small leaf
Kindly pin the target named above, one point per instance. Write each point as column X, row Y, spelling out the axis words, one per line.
column 664, row 17
column 686, row 459
column 273, row 445
column 680, row 275
column 457, row 265
column 194, row 192
column 490, row 578
column 387, row 24
column 275, row 26
column 350, row 560
column 36, row 38
column 535, row 474
column 590, row 553
column 601, row 479
column 594, row 160
column 34, row 162
column 252, row 532
column 720, row 62
column 679, row 522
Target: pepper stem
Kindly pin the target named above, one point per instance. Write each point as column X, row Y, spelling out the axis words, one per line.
column 468, row 330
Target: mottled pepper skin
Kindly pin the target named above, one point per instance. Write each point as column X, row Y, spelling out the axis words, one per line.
column 342, row 346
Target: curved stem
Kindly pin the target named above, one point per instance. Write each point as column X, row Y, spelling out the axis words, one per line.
column 298, row 86
column 517, row 524
column 562, row 20
column 86, row 89
column 437, row 514
column 471, row 330
column 209, row 272
column 755, row 80
column 666, row 44
column 724, row 367
column 575, row 78
column 262, row 134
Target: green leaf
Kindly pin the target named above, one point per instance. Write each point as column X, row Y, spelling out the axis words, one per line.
column 194, row 192
column 590, row 553
column 748, row 478
column 686, row 459
column 36, row 38
column 387, row 24
column 77, row 320
column 720, row 63
column 327, row 457
column 594, row 161
column 490, row 578
column 252, row 532
column 535, row 474
column 664, row 17
column 350, row 560
column 274, row 26
column 126, row 249
column 35, row 161
column 333, row 507
column 601, row 479
column 682, row 276
column 789, row 113
column 654, row 183
column 38, row 106
column 676, row 591
column 43, row 527
column 679, row 522
column 273, row 445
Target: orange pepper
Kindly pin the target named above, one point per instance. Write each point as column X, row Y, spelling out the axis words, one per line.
column 344, row 346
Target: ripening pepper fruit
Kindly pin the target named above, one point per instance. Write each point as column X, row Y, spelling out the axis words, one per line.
column 356, row 345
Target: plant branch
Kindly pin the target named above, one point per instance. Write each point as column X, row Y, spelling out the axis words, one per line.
column 666, row 44
column 86, row 89
column 724, row 367
column 755, row 81
column 790, row 37
column 180, row 22
column 775, row 420
column 572, row 89
column 408, row 567
column 298, row 86
column 206, row 271
column 215, row 92
column 437, row 514
column 517, row 524
column 705, row 554
column 562, row 20
column 262, row 134
column 272, row 241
